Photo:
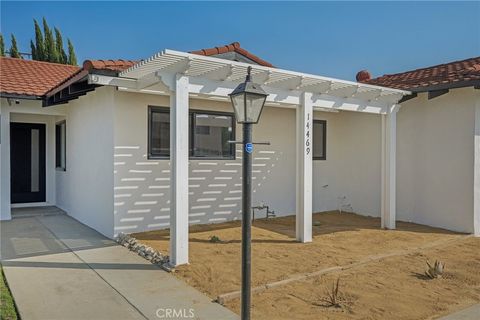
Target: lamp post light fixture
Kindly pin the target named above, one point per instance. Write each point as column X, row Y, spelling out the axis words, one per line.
column 248, row 100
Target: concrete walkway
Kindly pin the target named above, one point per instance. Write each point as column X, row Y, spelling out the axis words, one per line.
column 57, row 268
column 470, row 313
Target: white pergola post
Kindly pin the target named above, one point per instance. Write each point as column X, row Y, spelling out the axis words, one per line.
column 389, row 146
column 179, row 149
column 304, row 117
column 476, row 178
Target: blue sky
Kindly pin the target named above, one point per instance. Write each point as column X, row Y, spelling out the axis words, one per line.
column 328, row 38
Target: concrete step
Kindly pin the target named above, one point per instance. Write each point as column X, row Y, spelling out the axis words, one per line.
column 28, row 212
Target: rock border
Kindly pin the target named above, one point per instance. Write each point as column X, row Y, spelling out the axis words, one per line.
column 146, row 252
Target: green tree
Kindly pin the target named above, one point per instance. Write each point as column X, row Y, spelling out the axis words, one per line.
column 39, row 43
column 2, row 46
column 72, row 58
column 14, row 49
column 62, row 56
column 50, row 48
column 34, row 50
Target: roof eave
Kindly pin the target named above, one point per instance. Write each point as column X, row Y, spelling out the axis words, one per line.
column 9, row 95
column 450, row 85
column 77, row 77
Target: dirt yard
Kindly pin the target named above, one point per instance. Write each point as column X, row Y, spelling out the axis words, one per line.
column 383, row 279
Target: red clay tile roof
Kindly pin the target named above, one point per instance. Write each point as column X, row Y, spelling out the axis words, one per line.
column 233, row 47
column 452, row 73
column 112, row 65
column 32, row 78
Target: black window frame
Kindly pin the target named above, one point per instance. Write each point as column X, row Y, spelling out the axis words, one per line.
column 58, row 155
column 324, row 122
column 151, row 110
column 191, row 128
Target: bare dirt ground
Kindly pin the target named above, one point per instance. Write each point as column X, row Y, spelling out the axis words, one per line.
column 390, row 288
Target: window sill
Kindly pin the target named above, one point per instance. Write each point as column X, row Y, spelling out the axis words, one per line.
column 190, row 158
column 150, row 157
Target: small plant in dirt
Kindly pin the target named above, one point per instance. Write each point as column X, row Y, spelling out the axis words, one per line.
column 316, row 223
column 333, row 297
column 215, row 239
column 436, row 270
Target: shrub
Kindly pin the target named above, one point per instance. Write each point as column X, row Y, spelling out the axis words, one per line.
column 436, row 270
column 215, row 239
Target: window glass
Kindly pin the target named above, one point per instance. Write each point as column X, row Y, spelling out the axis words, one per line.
column 60, row 145
column 211, row 135
column 319, row 139
column 159, row 145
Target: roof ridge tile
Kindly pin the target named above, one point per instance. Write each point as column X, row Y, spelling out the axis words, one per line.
column 232, row 47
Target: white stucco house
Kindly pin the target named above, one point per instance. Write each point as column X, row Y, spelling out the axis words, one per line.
column 438, row 146
column 127, row 146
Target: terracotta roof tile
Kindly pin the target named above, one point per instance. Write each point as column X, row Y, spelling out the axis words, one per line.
column 32, row 78
column 232, row 47
column 112, row 65
column 452, row 72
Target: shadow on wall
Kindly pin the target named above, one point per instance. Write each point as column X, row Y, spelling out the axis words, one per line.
column 142, row 188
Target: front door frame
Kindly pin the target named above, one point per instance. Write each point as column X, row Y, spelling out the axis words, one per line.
column 30, row 197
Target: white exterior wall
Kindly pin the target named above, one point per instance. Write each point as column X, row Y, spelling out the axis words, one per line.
column 435, row 160
column 85, row 189
column 141, row 186
column 111, row 186
column 476, row 187
column 352, row 169
column 4, row 161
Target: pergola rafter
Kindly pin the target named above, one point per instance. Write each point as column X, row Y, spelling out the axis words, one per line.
column 210, row 68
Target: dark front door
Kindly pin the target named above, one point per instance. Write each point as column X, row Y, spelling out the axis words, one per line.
column 27, row 162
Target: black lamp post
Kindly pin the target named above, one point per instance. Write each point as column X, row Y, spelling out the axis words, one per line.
column 248, row 100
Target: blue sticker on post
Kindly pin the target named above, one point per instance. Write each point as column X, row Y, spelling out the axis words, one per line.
column 249, row 147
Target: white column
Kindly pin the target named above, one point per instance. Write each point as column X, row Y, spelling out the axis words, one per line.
column 5, row 211
column 179, row 149
column 476, row 178
column 304, row 168
column 389, row 145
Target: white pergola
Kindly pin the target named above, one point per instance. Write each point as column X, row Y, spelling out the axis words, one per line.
column 182, row 75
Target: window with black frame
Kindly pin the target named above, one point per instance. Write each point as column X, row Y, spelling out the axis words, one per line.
column 210, row 133
column 60, row 145
column 159, row 133
column 319, row 140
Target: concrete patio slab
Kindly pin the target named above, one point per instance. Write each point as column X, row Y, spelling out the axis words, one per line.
column 57, row 268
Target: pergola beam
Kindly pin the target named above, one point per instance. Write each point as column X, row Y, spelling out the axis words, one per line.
column 322, row 97
column 147, row 81
column 112, row 81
